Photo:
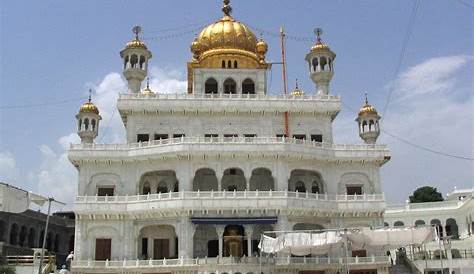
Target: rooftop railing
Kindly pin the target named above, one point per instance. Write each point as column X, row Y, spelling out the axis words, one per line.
column 229, row 140
column 186, row 96
column 429, row 205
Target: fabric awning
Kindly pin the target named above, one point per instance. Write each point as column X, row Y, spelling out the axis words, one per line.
column 301, row 243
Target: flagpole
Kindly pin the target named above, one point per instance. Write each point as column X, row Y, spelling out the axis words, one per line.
column 45, row 235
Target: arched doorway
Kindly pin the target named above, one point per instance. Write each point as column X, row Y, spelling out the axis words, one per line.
column 233, row 179
column 14, row 234
column 31, row 237
column 230, row 87
column 262, row 179
column 205, row 242
column 205, row 179
column 23, row 234
column 158, row 242
column 248, row 86
column 303, row 180
column 210, row 87
column 452, row 228
column 234, row 244
column 160, row 181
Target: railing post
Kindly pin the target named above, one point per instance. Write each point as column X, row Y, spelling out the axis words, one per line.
column 107, row 263
column 164, row 261
column 150, row 262
column 137, row 263
column 124, row 262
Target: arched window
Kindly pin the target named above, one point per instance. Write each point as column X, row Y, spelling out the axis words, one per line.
column 299, row 186
column 419, row 223
column 315, row 64
column 134, row 61
column 142, row 62
column 31, row 237
column 235, row 63
column 323, row 63
column 223, row 63
column 364, row 125
column 229, row 64
column 210, row 87
column 93, row 124
column 248, row 86
column 125, row 62
column 398, row 223
column 14, row 234
column 86, row 124
column 371, row 125
column 230, row 86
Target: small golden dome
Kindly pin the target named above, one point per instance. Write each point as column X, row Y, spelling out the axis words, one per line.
column 195, row 46
column 135, row 43
column 367, row 108
column 89, row 107
column 262, row 47
column 147, row 90
column 320, row 46
column 297, row 91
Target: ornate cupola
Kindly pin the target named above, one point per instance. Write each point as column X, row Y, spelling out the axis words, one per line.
column 368, row 121
column 135, row 57
column 321, row 64
column 88, row 121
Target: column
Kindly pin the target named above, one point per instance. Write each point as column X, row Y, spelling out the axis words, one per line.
column 219, row 180
column 249, row 233
column 220, row 235
column 185, row 240
column 282, row 176
column 184, row 176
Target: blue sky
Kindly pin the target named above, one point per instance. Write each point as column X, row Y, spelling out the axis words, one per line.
column 53, row 51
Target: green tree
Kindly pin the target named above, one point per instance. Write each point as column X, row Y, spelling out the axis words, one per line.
column 426, row 194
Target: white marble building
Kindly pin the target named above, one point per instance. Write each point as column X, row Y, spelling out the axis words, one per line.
column 203, row 174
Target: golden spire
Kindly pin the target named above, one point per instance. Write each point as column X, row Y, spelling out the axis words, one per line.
column 147, row 90
column 227, row 9
column 297, row 91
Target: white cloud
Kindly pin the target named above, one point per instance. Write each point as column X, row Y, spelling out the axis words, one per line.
column 167, row 81
column 9, row 172
column 429, row 109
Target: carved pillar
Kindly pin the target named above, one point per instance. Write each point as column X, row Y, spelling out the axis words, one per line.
column 220, row 235
column 185, row 238
column 249, row 233
column 184, row 176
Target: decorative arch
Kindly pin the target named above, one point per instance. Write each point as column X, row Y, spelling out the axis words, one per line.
column 233, row 179
column 230, row 86
column 307, row 226
column 248, row 86
column 398, row 223
column 205, row 179
column 158, row 241
column 303, row 180
column 261, row 179
column 158, row 181
column 355, row 179
column 104, row 180
column 31, row 237
column 23, row 235
column 452, row 228
column 211, row 86
column 419, row 223
column 439, row 228
column 14, row 234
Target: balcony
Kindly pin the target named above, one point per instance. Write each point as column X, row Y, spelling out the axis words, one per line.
column 229, row 103
column 250, row 263
column 233, row 145
column 244, row 201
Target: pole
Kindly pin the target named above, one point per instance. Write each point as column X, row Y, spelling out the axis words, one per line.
column 285, row 88
column 45, row 235
column 347, row 251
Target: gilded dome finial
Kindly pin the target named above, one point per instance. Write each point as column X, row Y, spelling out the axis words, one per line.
column 90, row 95
column 296, row 84
column 227, row 9
column 318, row 32
column 366, row 100
column 137, row 30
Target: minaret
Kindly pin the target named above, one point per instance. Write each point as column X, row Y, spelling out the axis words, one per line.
column 88, row 121
column 368, row 120
column 321, row 64
column 135, row 61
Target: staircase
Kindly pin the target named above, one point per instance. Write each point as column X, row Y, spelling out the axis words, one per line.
column 400, row 269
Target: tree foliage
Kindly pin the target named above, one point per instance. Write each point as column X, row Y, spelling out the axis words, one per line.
column 426, row 194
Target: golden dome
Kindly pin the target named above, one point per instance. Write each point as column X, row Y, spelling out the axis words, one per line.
column 135, row 43
column 89, row 107
column 320, row 46
column 147, row 90
column 262, row 47
column 227, row 33
column 367, row 108
column 297, row 91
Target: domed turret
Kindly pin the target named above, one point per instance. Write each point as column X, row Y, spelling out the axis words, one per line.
column 368, row 121
column 88, row 121
column 147, row 92
column 321, row 64
column 297, row 91
column 135, row 57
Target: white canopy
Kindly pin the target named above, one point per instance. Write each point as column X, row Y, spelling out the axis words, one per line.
column 301, row 243
column 317, row 243
column 391, row 238
column 16, row 200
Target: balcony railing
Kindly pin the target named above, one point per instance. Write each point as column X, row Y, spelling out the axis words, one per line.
column 229, row 140
column 224, row 200
column 186, row 96
column 442, row 205
column 230, row 261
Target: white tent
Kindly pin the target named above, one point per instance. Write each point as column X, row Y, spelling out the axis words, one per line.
column 392, row 238
column 317, row 242
column 301, row 243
